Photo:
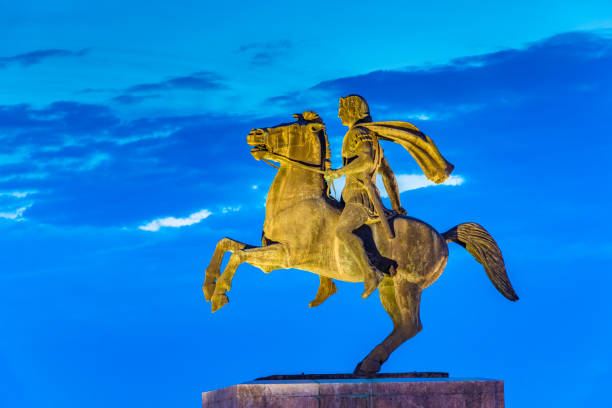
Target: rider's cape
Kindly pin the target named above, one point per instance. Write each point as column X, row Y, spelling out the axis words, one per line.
column 418, row 144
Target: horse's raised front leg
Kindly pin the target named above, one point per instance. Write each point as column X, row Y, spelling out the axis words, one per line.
column 401, row 300
column 213, row 271
column 265, row 258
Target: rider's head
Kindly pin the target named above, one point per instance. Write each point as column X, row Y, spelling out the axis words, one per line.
column 353, row 108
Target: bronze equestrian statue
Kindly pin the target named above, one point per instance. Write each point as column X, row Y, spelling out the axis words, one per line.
column 356, row 239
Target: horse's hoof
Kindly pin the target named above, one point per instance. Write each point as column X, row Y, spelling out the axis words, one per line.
column 371, row 282
column 323, row 295
column 367, row 368
column 315, row 303
column 218, row 301
column 208, row 291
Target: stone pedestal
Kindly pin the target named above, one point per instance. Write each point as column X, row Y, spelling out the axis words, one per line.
column 360, row 393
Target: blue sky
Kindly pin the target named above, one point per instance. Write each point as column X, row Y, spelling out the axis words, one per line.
column 123, row 160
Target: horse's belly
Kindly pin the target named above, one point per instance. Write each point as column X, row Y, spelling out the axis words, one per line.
column 419, row 250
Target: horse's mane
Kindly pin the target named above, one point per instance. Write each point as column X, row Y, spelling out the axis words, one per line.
column 313, row 117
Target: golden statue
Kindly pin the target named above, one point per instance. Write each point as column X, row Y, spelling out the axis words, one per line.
column 362, row 158
column 356, row 239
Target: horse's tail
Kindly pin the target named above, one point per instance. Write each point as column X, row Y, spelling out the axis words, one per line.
column 483, row 248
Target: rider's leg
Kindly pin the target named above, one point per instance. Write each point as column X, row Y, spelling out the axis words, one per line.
column 354, row 216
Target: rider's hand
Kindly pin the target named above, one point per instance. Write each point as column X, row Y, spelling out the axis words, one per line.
column 331, row 174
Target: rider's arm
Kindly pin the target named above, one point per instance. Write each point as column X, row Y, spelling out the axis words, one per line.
column 390, row 185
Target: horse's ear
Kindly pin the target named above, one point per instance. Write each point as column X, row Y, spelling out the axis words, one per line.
column 311, row 116
column 297, row 116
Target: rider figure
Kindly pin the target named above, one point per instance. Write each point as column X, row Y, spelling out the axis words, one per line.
column 362, row 158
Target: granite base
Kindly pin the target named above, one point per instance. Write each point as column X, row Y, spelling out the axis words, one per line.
column 360, row 393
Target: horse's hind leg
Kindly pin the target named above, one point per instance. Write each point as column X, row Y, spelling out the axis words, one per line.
column 213, row 271
column 265, row 258
column 401, row 299
column 327, row 287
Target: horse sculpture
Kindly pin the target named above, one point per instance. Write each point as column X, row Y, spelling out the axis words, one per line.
column 299, row 229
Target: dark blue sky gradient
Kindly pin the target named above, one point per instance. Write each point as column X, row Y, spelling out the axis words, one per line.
column 99, row 313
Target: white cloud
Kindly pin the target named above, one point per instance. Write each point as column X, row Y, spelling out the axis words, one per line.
column 11, row 213
column 24, row 176
column 76, row 163
column 449, row 111
column 226, row 210
column 16, row 194
column 406, row 182
column 173, row 222
column 160, row 134
column 413, row 115
column 94, row 161
column 16, row 215
column 421, row 116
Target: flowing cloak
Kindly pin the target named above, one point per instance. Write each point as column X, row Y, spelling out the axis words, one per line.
column 418, row 144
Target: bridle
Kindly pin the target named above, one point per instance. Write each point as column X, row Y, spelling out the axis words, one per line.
column 296, row 163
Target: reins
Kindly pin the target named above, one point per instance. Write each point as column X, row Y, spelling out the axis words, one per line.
column 271, row 164
column 292, row 162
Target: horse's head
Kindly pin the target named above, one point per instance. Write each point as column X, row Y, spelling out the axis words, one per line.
column 304, row 140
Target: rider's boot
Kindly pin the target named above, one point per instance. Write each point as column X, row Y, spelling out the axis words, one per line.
column 371, row 280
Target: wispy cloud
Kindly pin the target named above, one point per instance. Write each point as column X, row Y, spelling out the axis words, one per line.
column 127, row 99
column 159, row 134
column 14, row 203
column 174, row 222
column 406, row 182
column 420, row 116
column 16, row 194
column 71, row 162
column 70, row 137
column 265, row 53
column 16, row 215
column 93, row 161
column 197, row 81
column 38, row 56
column 81, row 155
column 226, row 210
column 24, row 176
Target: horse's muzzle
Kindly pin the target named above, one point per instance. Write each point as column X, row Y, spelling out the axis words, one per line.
column 257, row 137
